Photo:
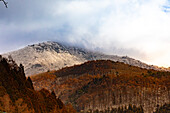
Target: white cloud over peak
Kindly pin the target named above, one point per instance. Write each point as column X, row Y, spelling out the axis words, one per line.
column 137, row 28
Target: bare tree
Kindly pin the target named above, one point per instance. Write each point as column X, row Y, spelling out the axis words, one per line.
column 5, row 3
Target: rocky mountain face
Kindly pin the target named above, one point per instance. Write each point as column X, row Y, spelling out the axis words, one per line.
column 17, row 94
column 53, row 56
column 109, row 86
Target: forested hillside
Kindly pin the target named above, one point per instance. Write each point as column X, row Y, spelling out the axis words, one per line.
column 103, row 84
column 17, row 94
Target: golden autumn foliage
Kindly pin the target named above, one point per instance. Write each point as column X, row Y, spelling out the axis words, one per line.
column 103, row 83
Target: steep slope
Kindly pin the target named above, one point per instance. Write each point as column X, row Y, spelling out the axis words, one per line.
column 45, row 56
column 17, row 94
column 103, row 84
column 53, row 56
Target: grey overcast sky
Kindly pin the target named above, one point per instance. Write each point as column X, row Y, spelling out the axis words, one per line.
column 136, row 28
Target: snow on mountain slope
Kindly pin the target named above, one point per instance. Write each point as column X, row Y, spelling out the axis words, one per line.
column 46, row 56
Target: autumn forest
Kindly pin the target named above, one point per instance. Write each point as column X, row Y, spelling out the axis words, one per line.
column 104, row 85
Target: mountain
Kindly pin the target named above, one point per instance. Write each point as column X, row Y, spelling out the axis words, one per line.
column 17, row 94
column 105, row 85
column 46, row 56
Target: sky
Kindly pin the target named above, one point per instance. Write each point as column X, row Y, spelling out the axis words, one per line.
column 136, row 28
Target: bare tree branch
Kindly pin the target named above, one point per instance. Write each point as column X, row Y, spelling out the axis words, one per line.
column 5, row 3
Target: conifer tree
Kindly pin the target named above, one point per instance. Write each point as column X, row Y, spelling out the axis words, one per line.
column 29, row 83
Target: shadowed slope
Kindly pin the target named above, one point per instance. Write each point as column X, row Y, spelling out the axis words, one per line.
column 17, row 94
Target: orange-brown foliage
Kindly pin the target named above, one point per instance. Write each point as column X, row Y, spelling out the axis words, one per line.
column 102, row 81
column 18, row 95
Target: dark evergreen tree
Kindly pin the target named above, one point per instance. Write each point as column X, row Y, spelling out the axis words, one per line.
column 29, row 83
column 53, row 94
column 130, row 107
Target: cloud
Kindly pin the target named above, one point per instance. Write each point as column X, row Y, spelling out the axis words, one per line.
column 137, row 28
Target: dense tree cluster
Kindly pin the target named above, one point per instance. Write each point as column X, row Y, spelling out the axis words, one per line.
column 125, row 109
column 163, row 109
column 17, row 94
